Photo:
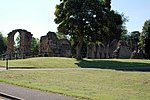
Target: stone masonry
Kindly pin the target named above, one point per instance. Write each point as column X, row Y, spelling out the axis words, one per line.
column 25, row 43
column 51, row 46
column 116, row 49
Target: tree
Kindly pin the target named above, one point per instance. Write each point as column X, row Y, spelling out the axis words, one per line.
column 88, row 20
column 35, row 46
column 144, row 43
column 61, row 36
column 114, row 27
column 135, row 35
column 3, row 44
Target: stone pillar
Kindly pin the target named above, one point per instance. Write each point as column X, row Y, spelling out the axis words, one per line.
column 91, row 51
column 25, row 43
column 10, row 44
column 44, row 46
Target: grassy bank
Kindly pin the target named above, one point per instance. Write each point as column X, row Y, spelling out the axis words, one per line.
column 43, row 62
column 95, row 85
column 59, row 62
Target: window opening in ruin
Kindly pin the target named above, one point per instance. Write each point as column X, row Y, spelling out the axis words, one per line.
column 17, row 44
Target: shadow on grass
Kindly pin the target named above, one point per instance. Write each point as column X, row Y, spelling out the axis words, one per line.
column 115, row 65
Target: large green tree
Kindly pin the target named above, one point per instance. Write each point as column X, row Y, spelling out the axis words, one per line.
column 113, row 28
column 3, row 44
column 144, row 43
column 88, row 20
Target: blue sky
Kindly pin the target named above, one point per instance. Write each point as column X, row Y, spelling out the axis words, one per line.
column 136, row 10
column 37, row 16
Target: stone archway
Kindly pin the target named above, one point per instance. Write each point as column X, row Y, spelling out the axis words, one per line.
column 25, row 43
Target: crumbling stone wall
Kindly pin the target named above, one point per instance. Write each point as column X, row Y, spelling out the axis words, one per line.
column 51, row 46
column 43, row 45
column 25, row 43
column 91, row 51
column 116, row 49
column 100, row 51
column 125, row 50
column 64, row 48
column 111, row 47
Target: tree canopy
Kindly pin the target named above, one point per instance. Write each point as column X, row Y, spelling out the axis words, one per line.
column 3, row 44
column 88, row 20
column 135, row 35
column 145, row 39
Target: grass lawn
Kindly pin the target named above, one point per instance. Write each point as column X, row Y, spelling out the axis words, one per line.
column 88, row 84
column 59, row 62
column 42, row 62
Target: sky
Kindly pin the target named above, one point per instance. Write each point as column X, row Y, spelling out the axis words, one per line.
column 137, row 11
column 37, row 16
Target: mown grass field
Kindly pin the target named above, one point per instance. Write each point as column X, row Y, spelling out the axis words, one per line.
column 87, row 84
column 42, row 62
column 59, row 62
column 103, row 84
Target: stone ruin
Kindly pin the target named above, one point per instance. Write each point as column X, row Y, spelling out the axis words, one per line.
column 100, row 51
column 124, row 50
column 25, row 43
column 116, row 49
column 51, row 46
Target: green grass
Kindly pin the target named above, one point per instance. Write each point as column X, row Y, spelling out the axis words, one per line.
column 43, row 62
column 59, row 62
column 88, row 84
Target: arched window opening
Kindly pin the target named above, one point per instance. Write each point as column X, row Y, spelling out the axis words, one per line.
column 17, row 45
